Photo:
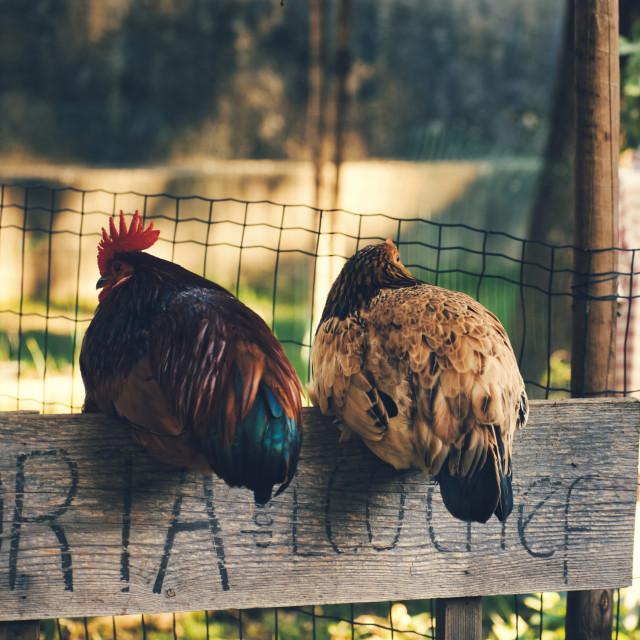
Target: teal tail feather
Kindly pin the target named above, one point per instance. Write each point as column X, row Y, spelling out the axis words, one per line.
column 264, row 451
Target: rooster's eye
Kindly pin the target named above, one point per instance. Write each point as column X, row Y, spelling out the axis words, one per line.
column 117, row 267
column 398, row 258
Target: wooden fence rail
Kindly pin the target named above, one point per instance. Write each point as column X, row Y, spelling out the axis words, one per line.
column 90, row 525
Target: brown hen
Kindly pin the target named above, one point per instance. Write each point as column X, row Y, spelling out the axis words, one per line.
column 426, row 376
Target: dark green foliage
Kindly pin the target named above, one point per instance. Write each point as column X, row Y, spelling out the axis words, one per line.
column 630, row 111
column 31, row 346
column 142, row 81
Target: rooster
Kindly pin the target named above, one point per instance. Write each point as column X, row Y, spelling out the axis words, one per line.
column 199, row 376
column 425, row 376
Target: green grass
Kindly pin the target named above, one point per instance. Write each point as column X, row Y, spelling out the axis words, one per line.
column 31, row 346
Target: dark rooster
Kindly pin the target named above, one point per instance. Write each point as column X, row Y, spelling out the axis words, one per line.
column 199, row 376
column 426, row 376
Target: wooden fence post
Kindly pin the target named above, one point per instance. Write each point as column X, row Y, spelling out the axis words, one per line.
column 458, row 618
column 20, row 630
column 589, row 614
column 597, row 86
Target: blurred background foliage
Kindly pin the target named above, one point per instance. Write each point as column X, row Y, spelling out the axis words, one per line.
column 130, row 81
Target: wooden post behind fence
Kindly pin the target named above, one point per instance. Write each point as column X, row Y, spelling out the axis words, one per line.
column 590, row 614
column 458, row 618
column 20, row 630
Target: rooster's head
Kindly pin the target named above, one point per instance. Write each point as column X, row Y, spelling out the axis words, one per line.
column 113, row 266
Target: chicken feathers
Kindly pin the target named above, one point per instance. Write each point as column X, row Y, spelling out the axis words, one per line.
column 199, row 376
column 425, row 376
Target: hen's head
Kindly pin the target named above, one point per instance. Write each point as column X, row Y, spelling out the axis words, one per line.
column 364, row 275
column 113, row 250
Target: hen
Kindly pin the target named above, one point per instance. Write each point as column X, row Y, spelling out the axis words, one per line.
column 198, row 376
column 426, row 376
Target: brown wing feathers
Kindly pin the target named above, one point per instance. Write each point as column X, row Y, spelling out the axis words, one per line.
column 219, row 356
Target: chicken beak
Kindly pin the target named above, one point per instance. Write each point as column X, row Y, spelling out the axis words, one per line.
column 102, row 282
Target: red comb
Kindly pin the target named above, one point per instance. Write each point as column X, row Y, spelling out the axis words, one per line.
column 124, row 240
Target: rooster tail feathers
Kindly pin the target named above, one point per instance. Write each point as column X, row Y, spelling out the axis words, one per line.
column 251, row 365
column 280, row 377
column 477, row 497
column 278, row 444
column 265, row 446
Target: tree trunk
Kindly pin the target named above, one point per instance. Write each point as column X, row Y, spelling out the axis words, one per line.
column 317, row 109
column 343, row 63
column 551, row 223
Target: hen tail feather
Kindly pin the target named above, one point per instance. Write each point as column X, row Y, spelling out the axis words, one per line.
column 477, row 497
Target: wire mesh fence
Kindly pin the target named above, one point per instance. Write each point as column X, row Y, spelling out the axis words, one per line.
column 281, row 259
column 535, row 616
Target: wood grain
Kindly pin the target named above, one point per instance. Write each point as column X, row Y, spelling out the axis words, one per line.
column 20, row 630
column 91, row 525
column 589, row 614
column 459, row 618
